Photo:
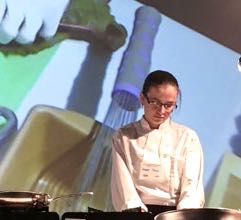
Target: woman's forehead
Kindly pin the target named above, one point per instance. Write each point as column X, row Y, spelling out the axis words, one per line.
column 163, row 88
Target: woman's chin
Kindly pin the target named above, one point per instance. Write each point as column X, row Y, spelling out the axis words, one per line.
column 158, row 121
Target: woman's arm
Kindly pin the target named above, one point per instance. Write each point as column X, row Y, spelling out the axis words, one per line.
column 192, row 192
column 124, row 194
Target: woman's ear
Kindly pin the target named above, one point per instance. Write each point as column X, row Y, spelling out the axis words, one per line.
column 142, row 98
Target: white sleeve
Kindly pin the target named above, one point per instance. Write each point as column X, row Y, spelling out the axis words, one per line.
column 192, row 191
column 124, row 194
column 22, row 22
column 12, row 16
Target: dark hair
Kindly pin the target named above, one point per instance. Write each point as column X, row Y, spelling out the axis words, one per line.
column 160, row 77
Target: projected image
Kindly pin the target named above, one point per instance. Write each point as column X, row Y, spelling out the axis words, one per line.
column 74, row 79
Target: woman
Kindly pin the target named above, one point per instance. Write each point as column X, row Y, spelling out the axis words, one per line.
column 157, row 163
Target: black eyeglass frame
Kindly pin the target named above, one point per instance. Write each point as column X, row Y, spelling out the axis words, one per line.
column 159, row 104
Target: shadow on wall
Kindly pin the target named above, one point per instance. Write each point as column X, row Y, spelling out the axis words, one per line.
column 235, row 140
column 210, row 185
column 87, row 88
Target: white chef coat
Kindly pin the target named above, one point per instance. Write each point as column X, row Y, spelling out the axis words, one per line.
column 161, row 166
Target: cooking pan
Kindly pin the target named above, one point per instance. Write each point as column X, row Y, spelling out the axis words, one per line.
column 27, row 200
column 200, row 214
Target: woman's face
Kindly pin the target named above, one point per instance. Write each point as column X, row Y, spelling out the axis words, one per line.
column 159, row 103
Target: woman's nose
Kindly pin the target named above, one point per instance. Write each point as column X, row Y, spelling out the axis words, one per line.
column 161, row 109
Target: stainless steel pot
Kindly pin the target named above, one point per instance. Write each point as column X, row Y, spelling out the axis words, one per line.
column 200, row 214
column 25, row 200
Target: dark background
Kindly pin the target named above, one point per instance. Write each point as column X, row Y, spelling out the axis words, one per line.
column 216, row 19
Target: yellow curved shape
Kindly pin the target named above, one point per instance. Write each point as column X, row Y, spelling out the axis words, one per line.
column 48, row 153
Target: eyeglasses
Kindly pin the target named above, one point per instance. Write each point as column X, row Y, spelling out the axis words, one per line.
column 157, row 104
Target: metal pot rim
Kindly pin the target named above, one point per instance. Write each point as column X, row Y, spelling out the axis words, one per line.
column 198, row 210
